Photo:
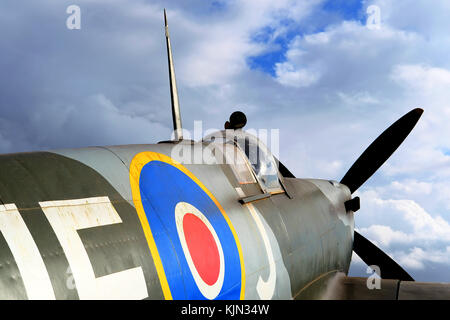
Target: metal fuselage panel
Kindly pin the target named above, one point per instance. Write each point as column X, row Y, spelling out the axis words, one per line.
column 85, row 232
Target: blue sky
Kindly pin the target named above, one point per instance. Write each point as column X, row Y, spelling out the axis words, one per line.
column 330, row 12
column 312, row 69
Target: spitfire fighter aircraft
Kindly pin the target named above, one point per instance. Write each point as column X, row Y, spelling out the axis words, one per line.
column 134, row 222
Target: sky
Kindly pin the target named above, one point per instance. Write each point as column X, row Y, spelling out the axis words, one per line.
column 328, row 74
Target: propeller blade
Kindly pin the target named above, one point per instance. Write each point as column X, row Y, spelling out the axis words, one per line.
column 372, row 255
column 380, row 150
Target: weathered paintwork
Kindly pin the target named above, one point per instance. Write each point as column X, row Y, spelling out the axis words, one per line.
column 84, row 220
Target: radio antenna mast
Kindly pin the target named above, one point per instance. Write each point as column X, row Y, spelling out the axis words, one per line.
column 176, row 116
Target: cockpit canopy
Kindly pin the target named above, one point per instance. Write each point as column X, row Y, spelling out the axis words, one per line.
column 238, row 143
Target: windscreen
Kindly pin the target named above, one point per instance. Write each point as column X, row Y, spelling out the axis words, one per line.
column 260, row 158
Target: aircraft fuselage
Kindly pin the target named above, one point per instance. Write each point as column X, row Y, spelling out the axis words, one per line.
column 129, row 222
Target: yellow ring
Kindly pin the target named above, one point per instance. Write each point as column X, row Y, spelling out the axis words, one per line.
column 138, row 162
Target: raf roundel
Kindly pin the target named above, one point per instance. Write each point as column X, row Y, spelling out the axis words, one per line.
column 202, row 249
column 194, row 246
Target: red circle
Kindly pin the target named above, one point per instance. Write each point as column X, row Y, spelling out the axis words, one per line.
column 202, row 248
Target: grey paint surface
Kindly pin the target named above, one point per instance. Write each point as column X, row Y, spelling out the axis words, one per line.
column 310, row 235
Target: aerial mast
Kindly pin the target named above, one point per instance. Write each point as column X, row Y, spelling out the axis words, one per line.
column 176, row 116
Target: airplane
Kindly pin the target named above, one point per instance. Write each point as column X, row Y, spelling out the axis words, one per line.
column 133, row 222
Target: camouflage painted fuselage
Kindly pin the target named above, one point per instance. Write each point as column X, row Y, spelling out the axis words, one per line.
column 101, row 223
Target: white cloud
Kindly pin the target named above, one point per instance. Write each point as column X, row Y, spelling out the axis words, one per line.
column 287, row 75
column 422, row 77
column 219, row 50
column 384, row 235
column 418, row 237
column 417, row 257
column 358, row 98
column 412, row 187
column 413, row 220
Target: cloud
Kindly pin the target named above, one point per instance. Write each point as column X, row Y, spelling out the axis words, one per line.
column 422, row 77
column 384, row 235
column 412, row 219
column 417, row 258
column 411, row 187
column 413, row 237
column 218, row 53
column 287, row 75
column 357, row 98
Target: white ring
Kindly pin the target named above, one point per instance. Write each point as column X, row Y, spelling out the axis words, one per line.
column 209, row 291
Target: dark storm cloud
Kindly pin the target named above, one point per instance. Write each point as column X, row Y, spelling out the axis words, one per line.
column 52, row 77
